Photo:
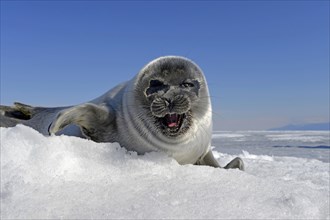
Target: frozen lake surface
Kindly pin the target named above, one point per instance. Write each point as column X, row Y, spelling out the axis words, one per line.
column 305, row 144
column 286, row 177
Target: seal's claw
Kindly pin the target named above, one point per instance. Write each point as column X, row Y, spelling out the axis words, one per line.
column 63, row 119
column 235, row 163
column 49, row 133
column 54, row 127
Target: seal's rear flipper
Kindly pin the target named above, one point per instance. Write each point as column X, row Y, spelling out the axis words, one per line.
column 13, row 115
column 18, row 111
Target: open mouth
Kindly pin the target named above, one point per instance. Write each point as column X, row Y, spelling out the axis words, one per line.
column 173, row 122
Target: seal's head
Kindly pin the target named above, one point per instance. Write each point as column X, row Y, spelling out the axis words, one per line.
column 173, row 92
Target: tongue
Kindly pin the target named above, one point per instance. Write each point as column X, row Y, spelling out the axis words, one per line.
column 172, row 120
column 172, row 124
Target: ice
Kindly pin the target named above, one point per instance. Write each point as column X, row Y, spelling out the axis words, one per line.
column 304, row 144
column 72, row 178
column 231, row 136
column 226, row 135
column 297, row 137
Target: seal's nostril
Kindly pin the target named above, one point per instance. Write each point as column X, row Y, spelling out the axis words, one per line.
column 167, row 102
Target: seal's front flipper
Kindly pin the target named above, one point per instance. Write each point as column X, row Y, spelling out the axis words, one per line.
column 209, row 160
column 236, row 163
column 92, row 119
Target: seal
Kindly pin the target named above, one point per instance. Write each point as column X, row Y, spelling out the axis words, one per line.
column 166, row 107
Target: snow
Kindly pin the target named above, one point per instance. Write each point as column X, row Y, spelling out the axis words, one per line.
column 72, row 178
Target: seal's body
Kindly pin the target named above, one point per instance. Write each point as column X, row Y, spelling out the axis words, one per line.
column 166, row 107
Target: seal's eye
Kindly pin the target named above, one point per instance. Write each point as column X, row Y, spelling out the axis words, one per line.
column 187, row 84
column 156, row 83
column 156, row 86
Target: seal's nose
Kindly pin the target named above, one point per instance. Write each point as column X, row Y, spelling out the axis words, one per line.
column 169, row 104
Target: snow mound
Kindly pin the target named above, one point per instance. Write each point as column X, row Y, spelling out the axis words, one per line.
column 73, row 178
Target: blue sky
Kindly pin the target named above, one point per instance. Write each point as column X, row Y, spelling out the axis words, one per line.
column 267, row 62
